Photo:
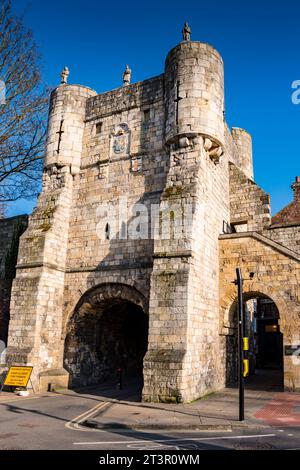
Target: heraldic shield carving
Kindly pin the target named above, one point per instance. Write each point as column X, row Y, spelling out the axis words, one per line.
column 120, row 140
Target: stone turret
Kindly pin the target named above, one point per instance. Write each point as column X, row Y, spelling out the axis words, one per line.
column 183, row 336
column 243, row 142
column 194, row 87
column 43, row 247
column 66, row 126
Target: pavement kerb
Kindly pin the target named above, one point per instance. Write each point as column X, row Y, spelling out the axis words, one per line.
column 168, row 427
column 157, row 427
column 228, row 426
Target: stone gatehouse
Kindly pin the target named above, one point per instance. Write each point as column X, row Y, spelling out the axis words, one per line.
column 151, row 290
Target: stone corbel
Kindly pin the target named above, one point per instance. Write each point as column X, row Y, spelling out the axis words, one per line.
column 183, row 142
column 54, row 177
column 213, row 149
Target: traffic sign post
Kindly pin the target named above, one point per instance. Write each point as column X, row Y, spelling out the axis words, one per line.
column 241, row 335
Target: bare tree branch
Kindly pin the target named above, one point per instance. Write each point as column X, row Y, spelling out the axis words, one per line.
column 23, row 116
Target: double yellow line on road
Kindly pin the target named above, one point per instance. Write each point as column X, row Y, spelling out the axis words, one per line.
column 76, row 423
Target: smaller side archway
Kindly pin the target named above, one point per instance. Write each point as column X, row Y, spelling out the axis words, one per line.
column 262, row 320
column 107, row 331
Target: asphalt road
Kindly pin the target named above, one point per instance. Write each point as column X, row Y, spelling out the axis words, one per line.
column 54, row 422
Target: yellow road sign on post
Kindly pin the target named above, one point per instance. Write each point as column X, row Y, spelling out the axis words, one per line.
column 246, row 344
column 246, row 367
column 18, row 376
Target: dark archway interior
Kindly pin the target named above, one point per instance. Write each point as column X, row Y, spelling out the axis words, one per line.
column 103, row 339
column 269, row 354
column 121, row 339
column 265, row 343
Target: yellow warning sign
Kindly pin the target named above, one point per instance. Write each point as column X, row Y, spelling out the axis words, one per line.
column 18, row 376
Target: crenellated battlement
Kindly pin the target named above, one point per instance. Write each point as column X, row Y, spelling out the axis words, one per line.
column 140, row 94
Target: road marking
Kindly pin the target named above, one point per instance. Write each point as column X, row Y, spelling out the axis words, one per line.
column 216, row 438
column 75, row 424
column 13, row 400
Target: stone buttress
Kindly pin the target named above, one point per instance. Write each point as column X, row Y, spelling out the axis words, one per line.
column 182, row 359
column 37, row 293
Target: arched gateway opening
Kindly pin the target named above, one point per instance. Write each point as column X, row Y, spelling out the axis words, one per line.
column 108, row 331
column 265, row 354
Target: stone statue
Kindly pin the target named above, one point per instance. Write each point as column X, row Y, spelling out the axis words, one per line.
column 186, row 32
column 127, row 76
column 64, row 75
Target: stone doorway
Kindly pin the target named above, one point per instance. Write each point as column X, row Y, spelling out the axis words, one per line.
column 265, row 344
column 269, row 354
column 108, row 332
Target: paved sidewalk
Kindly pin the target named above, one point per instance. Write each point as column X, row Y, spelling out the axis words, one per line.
column 218, row 411
column 121, row 409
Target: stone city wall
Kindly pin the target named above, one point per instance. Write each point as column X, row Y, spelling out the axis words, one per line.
column 249, row 205
column 276, row 275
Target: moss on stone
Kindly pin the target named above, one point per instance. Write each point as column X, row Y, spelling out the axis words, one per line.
column 45, row 227
column 48, row 212
column 173, row 191
column 12, row 255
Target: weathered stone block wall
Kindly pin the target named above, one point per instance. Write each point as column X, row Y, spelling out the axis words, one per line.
column 194, row 82
column 238, row 144
column 130, row 175
column 249, row 204
column 204, row 375
column 37, row 293
column 10, row 231
column 276, row 275
column 182, row 359
column 243, row 143
column 231, row 148
column 181, row 363
column 288, row 236
column 66, row 126
column 134, row 175
column 5, row 293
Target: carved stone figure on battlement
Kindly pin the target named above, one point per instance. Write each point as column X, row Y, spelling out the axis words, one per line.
column 64, row 75
column 127, row 76
column 186, row 32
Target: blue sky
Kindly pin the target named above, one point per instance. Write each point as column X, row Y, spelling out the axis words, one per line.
column 258, row 40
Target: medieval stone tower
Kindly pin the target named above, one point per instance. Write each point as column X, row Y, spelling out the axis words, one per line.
column 148, row 205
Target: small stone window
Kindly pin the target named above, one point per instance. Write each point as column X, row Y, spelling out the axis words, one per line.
column 99, row 126
column 123, row 234
column 172, row 225
column 107, row 232
column 146, row 116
